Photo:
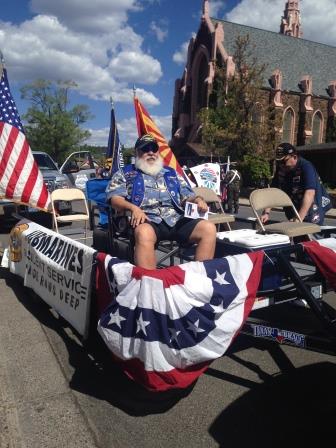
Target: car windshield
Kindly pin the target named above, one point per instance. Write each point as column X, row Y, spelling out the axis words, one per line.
column 45, row 162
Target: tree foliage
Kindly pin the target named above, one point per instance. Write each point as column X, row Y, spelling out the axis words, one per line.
column 237, row 122
column 255, row 171
column 52, row 125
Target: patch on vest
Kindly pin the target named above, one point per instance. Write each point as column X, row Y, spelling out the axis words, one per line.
column 325, row 201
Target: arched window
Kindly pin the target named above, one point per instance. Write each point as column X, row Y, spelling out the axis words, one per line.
column 257, row 116
column 200, row 71
column 317, row 128
column 201, row 87
column 288, row 126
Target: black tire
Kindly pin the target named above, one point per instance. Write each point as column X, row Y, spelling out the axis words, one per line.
column 101, row 240
column 123, row 250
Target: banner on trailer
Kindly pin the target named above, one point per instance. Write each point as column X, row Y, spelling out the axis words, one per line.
column 207, row 175
column 56, row 267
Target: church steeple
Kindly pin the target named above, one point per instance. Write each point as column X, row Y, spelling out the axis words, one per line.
column 291, row 20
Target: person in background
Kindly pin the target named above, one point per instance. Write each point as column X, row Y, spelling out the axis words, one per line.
column 232, row 182
column 155, row 196
column 223, row 191
column 299, row 179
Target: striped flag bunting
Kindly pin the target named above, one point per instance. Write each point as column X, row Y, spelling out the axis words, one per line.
column 323, row 253
column 165, row 326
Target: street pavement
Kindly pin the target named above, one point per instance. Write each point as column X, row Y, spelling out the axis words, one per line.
column 57, row 391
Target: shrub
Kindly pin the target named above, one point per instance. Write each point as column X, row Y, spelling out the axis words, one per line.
column 256, row 171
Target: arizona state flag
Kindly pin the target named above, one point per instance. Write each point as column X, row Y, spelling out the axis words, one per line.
column 147, row 126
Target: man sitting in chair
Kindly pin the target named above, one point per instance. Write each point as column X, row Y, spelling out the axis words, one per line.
column 155, row 195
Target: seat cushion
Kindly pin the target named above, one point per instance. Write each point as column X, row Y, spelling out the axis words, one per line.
column 219, row 218
column 69, row 218
column 292, row 229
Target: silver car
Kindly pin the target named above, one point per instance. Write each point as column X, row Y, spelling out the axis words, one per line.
column 53, row 178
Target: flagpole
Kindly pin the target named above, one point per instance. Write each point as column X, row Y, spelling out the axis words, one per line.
column 134, row 91
column 115, row 133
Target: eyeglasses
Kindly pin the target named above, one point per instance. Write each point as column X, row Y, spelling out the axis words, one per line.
column 150, row 148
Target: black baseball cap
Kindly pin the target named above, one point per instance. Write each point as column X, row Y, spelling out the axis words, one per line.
column 146, row 143
column 283, row 150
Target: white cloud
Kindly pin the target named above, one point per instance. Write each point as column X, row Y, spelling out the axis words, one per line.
column 318, row 18
column 160, row 30
column 128, row 131
column 180, row 55
column 216, row 6
column 135, row 67
column 58, row 44
column 88, row 16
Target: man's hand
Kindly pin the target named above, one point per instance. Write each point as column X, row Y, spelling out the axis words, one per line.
column 264, row 217
column 138, row 217
column 202, row 206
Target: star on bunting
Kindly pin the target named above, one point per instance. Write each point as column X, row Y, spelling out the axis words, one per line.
column 174, row 334
column 220, row 278
column 116, row 318
column 142, row 324
column 195, row 328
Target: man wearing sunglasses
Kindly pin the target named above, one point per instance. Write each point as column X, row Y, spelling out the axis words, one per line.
column 155, row 195
column 299, row 179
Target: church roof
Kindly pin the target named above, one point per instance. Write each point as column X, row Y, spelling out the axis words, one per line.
column 293, row 56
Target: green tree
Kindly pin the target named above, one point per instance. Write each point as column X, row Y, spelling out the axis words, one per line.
column 232, row 121
column 52, row 125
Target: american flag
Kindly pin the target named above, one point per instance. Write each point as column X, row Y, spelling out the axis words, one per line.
column 166, row 326
column 20, row 178
column 323, row 253
column 146, row 125
column 114, row 155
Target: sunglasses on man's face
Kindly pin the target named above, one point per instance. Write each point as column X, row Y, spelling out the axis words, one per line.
column 150, row 148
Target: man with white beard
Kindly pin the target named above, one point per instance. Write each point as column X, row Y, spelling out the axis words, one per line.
column 155, row 195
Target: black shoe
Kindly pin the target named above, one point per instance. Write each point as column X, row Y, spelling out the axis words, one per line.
column 230, row 211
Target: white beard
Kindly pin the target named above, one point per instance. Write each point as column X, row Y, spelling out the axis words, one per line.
column 152, row 169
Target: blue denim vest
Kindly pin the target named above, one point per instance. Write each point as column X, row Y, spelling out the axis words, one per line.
column 136, row 187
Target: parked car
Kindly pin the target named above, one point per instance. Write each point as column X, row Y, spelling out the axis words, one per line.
column 53, row 178
column 79, row 167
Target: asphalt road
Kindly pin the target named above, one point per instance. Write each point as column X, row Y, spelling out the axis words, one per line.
column 258, row 394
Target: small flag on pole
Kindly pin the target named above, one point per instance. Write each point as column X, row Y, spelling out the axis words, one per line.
column 20, row 178
column 114, row 156
column 147, row 126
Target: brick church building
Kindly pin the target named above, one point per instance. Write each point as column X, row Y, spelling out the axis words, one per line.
column 299, row 83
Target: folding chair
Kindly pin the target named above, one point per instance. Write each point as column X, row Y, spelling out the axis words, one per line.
column 274, row 197
column 211, row 198
column 70, row 195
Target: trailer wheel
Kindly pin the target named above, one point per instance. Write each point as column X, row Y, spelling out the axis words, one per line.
column 101, row 240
